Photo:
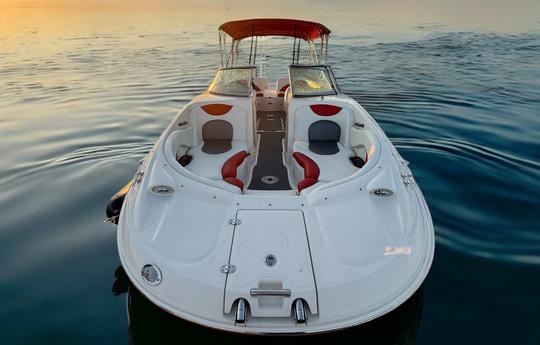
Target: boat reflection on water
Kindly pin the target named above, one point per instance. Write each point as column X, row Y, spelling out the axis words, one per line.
column 148, row 324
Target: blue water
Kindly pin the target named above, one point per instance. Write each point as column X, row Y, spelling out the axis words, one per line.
column 79, row 108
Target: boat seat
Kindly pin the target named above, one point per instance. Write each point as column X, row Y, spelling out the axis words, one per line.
column 323, row 137
column 282, row 84
column 282, row 90
column 323, row 124
column 219, row 132
column 217, row 136
column 210, row 165
column 258, row 91
column 332, row 166
column 259, row 84
column 229, row 170
column 311, row 171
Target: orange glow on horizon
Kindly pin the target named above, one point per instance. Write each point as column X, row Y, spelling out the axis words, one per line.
column 64, row 16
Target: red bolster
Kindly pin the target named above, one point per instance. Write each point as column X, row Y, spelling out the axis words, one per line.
column 234, row 181
column 260, row 94
column 311, row 170
column 281, row 92
column 325, row 109
column 305, row 183
column 229, row 169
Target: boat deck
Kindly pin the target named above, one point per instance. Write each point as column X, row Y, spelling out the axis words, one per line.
column 269, row 173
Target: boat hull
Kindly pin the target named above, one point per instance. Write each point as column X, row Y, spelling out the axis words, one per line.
column 349, row 250
column 148, row 322
column 184, row 289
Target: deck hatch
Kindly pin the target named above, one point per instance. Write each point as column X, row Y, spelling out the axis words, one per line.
column 270, row 290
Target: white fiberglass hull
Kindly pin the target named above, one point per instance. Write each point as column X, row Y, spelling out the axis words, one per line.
column 349, row 254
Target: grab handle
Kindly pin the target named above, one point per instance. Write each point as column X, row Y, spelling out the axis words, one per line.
column 270, row 292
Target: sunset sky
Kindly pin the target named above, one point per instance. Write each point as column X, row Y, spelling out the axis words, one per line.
column 495, row 15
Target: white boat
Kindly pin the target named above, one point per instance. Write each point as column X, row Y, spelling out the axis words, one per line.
column 274, row 208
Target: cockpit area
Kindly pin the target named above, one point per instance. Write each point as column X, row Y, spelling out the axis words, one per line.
column 291, row 134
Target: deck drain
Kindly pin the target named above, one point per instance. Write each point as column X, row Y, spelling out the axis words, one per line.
column 270, row 260
column 269, row 179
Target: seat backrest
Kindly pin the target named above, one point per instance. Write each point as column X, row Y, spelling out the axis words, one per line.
column 237, row 114
column 261, row 83
column 217, row 136
column 323, row 137
column 302, row 117
column 281, row 86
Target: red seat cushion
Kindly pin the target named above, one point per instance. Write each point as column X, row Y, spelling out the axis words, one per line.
column 281, row 92
column 258, row 90
column 230, row 167
column 234, row 181
column 305, row 183
column 311, row 170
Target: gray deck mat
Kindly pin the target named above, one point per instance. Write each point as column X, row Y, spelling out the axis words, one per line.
column 269, row 161
column 270, row 121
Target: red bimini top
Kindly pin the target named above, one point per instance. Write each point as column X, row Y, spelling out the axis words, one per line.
column 240, row 29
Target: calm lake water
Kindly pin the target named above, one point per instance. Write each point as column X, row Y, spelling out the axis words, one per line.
column 84, row 93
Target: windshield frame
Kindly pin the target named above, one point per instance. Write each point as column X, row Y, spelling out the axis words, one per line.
column 330, row 76
column 250, row 81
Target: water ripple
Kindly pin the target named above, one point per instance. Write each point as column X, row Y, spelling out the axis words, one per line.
column 467, row 175
column 466, row 149
column 110, row 153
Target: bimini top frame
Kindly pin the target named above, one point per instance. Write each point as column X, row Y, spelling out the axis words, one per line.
column 255, row 28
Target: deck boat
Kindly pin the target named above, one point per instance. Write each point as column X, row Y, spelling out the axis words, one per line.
column 274, row 206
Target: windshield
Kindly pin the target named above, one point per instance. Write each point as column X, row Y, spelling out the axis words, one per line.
column 311, row 81
column 233, row 81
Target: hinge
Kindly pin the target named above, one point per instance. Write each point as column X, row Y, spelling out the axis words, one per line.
column 228, row 268
column 235, row 221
